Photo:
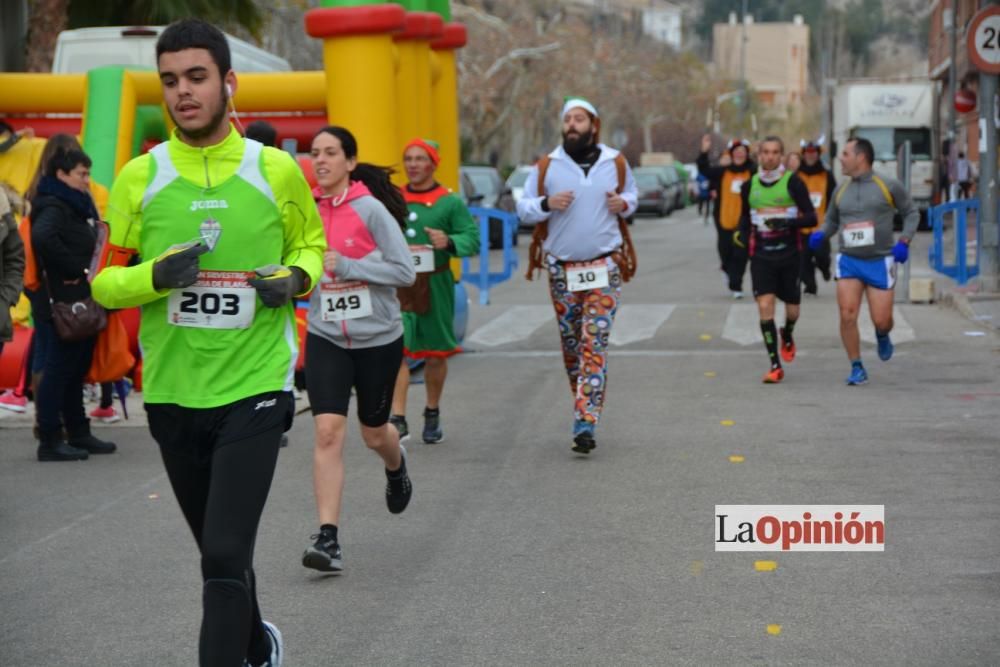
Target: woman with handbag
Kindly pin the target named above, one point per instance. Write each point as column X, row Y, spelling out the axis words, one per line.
column 64, row 237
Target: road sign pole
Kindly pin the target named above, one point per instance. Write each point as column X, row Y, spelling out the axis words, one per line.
column 983, row 42
column 989, row 258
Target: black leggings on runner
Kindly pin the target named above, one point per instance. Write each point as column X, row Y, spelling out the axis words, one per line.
column 332, row 370
column 220, row 462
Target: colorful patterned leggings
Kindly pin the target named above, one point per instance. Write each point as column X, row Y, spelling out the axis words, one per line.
column 585, row 320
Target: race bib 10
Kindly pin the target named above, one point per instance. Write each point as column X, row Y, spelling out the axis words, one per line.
column 582, row 276
column 218, row 300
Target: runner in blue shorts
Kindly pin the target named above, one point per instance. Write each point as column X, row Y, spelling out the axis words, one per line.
column 862, row 211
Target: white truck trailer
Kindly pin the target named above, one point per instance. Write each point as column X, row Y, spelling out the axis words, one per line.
column 889, row 114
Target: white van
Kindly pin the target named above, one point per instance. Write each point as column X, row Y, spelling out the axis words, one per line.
column 84, row 49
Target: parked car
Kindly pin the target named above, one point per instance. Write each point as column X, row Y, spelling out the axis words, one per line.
column 486, row 181
column 692, row 181
column 673, row 193
column 652, row 193
column 515, row 182
column 467, row 190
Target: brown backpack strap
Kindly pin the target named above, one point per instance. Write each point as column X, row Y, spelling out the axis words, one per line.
column 626, row 259
column 536, row 260
column 620, row 168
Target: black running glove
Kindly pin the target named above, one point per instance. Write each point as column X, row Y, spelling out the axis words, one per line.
column 178, row 267
column 276, row 285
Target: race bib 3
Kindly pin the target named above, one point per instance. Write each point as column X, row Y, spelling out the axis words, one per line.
column 423, row 258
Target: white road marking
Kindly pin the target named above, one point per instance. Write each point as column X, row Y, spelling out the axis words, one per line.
column 636, row 322
column 515, row 324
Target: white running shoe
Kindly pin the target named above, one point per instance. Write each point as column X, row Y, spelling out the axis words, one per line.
column 277, row 646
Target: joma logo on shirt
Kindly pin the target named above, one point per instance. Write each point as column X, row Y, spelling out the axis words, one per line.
column 200, row 204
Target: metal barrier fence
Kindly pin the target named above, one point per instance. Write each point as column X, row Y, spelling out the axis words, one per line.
column 483, row 278
column 957, row 267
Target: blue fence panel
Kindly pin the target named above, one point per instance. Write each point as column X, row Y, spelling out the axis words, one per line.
column 959, row 269
column 484, row 279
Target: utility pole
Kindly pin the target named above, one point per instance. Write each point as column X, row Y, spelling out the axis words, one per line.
column 743, row 63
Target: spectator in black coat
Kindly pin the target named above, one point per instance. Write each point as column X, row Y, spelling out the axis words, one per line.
column 64, row 238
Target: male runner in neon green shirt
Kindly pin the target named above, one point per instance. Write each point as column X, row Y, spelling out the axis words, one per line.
column 226, row 234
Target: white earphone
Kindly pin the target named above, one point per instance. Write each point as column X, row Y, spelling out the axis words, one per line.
column 229, row 90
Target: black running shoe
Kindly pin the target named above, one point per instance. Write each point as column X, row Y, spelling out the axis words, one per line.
column 584, row 442
column 399, row 421
column 324, row 555
column 398, row 488
column 432, row 426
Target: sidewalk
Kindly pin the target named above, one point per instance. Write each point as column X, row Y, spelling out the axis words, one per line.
column 980, row 308
column 136, row 414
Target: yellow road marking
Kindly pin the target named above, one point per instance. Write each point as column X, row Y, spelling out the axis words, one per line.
column 774, row 629
column 765, row 565
column 736, row 458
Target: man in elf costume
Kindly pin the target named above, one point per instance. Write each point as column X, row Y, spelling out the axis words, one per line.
column 439, row 228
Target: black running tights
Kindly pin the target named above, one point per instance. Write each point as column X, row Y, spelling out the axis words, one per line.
column 222, row 497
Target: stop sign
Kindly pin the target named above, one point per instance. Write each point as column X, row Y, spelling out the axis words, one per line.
column 965, row 100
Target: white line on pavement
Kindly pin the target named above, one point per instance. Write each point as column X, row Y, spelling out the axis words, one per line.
column 902, row 332
column 635, row 322
column 514, row 324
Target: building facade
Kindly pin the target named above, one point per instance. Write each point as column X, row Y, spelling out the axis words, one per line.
column 777, row 60
column 939, row 65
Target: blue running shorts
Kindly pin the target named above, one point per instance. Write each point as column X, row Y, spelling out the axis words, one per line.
column 879, row 272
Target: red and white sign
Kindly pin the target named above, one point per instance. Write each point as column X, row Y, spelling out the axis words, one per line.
column 984, row 40
column 800, row 527
column 965, row 100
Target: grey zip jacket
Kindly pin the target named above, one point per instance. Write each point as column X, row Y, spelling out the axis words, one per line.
column 861, row 199
column 371, row 249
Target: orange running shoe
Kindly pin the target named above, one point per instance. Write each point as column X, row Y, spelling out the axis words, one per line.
column 787, row 348
column 774, row 376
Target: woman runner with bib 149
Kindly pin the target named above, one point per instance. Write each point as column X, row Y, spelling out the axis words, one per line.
column 355, row 335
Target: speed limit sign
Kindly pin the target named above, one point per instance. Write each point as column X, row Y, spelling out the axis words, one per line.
column 984, row 40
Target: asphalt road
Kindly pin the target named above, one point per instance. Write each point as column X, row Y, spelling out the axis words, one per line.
column 514, row 551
